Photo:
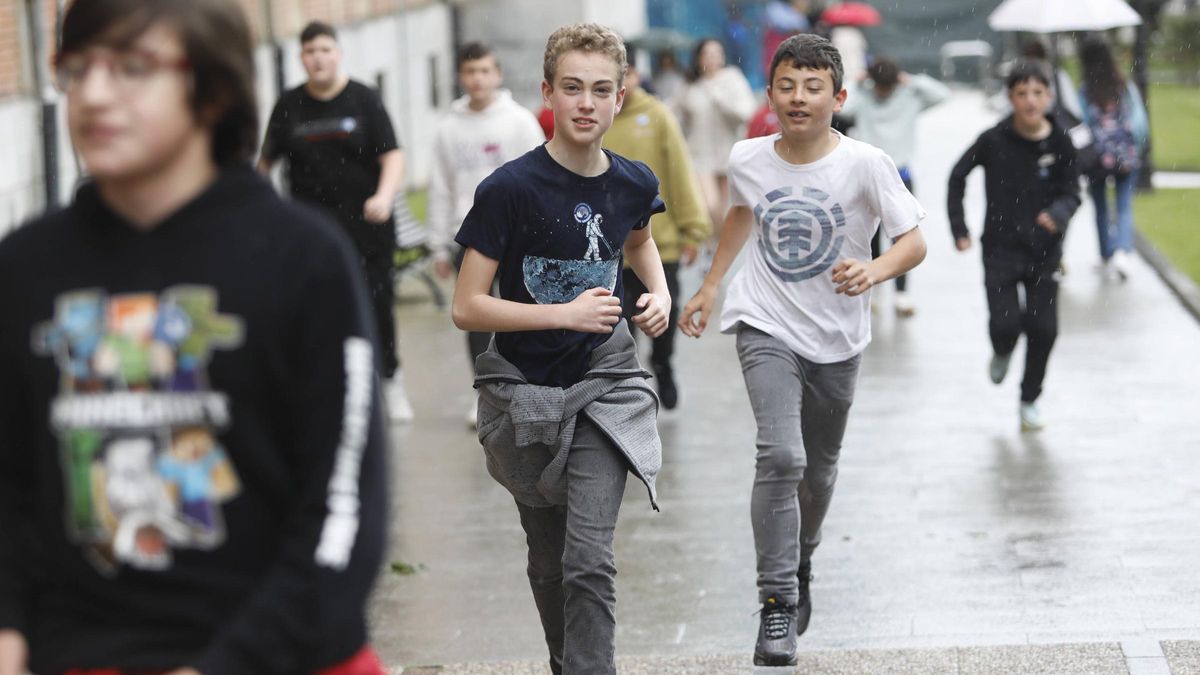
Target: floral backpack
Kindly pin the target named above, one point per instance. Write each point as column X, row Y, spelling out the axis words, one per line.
column 1116, row 146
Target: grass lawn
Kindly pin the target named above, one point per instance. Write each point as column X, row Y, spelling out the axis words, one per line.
column 418, row 204
column 1174, row 121
column 1168, row 219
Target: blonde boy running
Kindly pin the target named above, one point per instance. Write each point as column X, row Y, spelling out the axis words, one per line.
column 565, row 412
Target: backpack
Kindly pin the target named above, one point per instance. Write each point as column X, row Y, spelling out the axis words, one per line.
column 1117, row 150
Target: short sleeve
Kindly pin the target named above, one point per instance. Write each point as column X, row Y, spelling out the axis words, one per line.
column 379, row 125
column 738, row 182
column 272, row 147
column 657, row 205
column 489, row 224
column 896, row 207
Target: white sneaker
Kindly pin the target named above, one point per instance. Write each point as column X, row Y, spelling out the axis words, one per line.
column 473, row 415
column 904, row 304
column 1031, row 417
column 399, row 407
column 1120, row 264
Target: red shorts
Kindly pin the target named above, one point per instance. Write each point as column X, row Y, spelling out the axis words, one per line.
column 365, row 662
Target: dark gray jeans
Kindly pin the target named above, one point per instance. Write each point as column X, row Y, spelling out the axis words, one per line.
column 572, row 570
column 800, row 408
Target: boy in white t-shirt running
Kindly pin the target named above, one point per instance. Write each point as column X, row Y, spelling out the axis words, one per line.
column 800, row 307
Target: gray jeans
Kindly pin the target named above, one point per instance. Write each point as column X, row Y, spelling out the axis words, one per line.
column 800, row 408
column 572, row 570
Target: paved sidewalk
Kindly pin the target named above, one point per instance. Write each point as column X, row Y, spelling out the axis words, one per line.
column 950, row 530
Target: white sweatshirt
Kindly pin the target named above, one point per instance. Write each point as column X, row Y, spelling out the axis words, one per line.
column 467, row 147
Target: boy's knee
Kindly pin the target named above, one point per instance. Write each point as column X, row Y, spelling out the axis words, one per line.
column 778, row 460
column 596, row 571
column 545, row 572
column 1006, row 326
column 1041, row 328
column 819, row 480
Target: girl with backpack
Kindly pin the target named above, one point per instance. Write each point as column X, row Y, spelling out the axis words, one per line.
column 1116, row 117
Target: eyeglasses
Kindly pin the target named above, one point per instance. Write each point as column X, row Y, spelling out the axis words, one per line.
column 129, row 69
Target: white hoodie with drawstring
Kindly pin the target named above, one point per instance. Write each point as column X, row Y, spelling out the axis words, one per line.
column 467, row 147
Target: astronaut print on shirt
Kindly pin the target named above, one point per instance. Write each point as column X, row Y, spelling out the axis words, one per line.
column 553, row 281
column 137, row 423
column 801, row 234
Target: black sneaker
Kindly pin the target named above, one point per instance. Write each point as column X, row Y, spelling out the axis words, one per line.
column 776, row 634
column 804, row 606
column 667, row 393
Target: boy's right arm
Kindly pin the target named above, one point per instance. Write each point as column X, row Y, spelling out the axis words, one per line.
column 596, row 310
column 734, row 233
column 441, row 206
column 973, row 157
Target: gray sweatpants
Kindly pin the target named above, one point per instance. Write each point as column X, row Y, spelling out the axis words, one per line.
column 572, row 570
column 800, row 408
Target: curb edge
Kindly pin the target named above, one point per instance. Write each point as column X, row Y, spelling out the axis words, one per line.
column 1181, row 286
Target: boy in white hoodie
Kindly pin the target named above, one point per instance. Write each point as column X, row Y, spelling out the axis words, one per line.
column 484, row 129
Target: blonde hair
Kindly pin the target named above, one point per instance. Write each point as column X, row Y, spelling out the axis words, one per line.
column 583, row 37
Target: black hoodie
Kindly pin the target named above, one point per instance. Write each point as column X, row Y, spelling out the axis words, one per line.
column 191, row 448
column 1023, row 177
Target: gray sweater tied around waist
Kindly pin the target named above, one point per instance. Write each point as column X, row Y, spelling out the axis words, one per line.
column 526, row 430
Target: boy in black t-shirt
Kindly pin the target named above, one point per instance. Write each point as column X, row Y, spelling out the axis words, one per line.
column 1032, row 192
column 343, row 156
column 192, row 472
column 565, row 413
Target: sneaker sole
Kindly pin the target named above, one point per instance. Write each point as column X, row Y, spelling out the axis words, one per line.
column 775, row 660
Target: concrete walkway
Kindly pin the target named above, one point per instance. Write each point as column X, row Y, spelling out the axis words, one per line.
column 951, row 532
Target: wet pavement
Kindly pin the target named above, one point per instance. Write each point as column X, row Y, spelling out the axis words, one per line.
column 953, row 538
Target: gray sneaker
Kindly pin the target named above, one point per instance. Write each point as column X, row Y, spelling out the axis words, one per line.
column 998, row 367
column 776, row 634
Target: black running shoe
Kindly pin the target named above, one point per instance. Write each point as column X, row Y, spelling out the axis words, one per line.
column 804, row 606
column 776, row 634
column 667, row 393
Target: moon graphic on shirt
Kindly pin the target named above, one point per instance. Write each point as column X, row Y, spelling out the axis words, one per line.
column 552, row 281
column 800, row 234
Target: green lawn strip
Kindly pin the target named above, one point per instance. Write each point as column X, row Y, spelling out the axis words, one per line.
column 1174, row 122
column 1168, row 219
column 417, row 203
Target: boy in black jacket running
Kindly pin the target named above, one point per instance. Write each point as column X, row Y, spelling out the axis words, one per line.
column 192, row 474
column 1032, row 192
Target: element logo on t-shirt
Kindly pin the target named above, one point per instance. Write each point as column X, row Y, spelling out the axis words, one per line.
column 800, row 235
column 553, row 281
column 142, row 469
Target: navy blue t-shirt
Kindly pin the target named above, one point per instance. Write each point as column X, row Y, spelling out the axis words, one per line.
column 555, row 235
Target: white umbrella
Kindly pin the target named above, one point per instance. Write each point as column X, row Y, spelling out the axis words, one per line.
column 1058, row 16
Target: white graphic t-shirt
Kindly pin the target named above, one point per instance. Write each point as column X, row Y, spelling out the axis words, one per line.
column 808, row 217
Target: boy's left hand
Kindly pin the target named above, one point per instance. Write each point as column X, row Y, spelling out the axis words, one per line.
column 1047, row 223
column 377, row 209
column 854, row 277
column 656, row 309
